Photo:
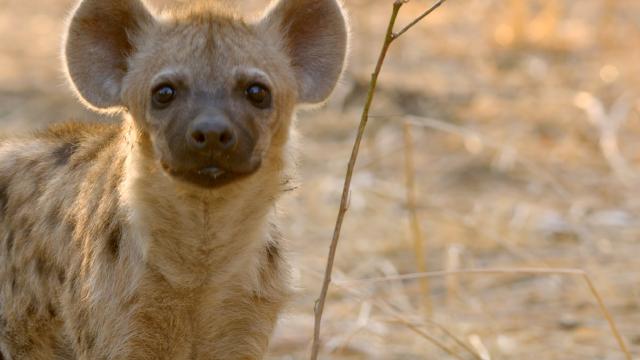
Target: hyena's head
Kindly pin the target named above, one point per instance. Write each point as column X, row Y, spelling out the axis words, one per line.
column 212, row 92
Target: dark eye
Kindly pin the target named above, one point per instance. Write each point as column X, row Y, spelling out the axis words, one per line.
column 259, row 96
column 163, row 95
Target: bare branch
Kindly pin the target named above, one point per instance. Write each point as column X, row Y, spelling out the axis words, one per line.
column 390, row 36
column 319, row 307
column 418, row 19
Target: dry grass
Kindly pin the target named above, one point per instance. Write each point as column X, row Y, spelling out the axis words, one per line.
column 525, row 118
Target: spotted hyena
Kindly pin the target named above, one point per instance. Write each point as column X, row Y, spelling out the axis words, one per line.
column 155, row 238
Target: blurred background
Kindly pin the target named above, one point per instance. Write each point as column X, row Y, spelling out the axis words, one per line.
column 521, row 123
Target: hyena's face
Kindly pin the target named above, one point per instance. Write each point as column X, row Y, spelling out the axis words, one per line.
column 212, row 92
column 214, row 95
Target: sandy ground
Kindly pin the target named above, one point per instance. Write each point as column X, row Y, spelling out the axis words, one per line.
column 526, row 155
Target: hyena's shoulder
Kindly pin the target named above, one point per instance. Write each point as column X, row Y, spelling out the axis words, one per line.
column 77, row 143
column 43, row 171
column 44, row 176
column 53, row 148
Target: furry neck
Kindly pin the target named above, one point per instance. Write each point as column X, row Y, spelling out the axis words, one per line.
column 190, row 235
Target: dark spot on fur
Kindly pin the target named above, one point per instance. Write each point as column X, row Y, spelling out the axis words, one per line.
column 130, row 301
column 31, row 308
column 72, row 285
column 3, row 199
column 69, row 226
column 90, row 340
column 113, row 243
column 22, row 345
column 10, row 241
column 41, row 179
column 286, row 185
column 61, row 276
column 54, row 218
column 63, row 153
column 14, row 285
column 52, row 310
column 273, row 252
column 273, row 246
column 26, row 229
column 41, row 266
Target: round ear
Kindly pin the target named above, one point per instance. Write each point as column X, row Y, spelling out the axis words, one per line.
column 314, row 33
column 98, row 42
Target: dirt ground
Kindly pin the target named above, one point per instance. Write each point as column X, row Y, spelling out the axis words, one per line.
column 526, row 125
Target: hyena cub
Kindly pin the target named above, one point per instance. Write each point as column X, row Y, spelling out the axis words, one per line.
column 154, row 238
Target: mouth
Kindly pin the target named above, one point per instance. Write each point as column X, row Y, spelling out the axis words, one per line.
column 210, row 177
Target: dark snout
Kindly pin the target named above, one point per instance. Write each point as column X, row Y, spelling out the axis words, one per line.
column 216, row 151
column 211, row 135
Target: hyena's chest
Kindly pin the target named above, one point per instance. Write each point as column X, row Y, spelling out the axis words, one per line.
column 198, row 324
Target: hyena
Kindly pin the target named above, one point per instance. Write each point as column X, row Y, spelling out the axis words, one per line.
column 156, row 237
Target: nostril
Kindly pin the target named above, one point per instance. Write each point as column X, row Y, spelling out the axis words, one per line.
column 226, row 138
column 199, row 137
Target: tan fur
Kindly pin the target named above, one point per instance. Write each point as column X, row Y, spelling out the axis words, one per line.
column 103, row 254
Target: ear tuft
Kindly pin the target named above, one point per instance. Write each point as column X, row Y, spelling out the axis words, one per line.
column 315, row 36
column 98, row 42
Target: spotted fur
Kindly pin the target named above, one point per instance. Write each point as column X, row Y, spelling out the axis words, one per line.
column 103, row 254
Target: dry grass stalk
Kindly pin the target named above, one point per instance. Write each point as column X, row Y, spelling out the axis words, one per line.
column 428, row 337
column 389, row 308
column 528, row 271
column 396, row 314
column 609, row 124
column 390, row 37
column 456, row 339
column 419, row 244
column 452, row 263
column 477, row 343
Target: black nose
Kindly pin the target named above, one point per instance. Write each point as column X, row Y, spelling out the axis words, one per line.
column 214, row 134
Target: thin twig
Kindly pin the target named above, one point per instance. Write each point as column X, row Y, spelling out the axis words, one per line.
column 390, row 36
column 419, row 18
column 419, row 246
column 319, row 306
column 531, row 271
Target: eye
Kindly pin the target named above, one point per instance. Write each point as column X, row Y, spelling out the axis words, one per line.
column 259, row 96
column 163, row 95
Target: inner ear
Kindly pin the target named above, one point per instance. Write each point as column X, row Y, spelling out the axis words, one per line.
column 314, row 33
column 99, row 40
